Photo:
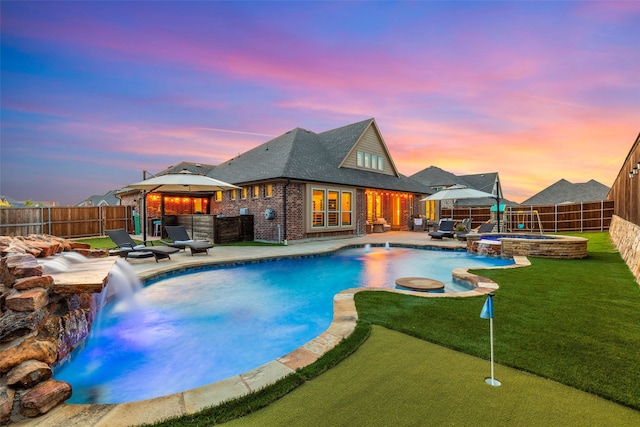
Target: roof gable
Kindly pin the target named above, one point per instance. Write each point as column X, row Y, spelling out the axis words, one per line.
column 365, row 137
column 482, row 181
column 434, row 177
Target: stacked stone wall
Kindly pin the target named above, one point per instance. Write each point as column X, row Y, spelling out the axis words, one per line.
column 510, row 245
column 38, row 329
column 551, row 248
column 626, row 237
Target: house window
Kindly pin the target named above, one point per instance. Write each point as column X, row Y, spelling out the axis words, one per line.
column 331, row 208
column 369, row 161
column 244, row 193
column 217, row 196
column 318, row 208
column 268, row 190
column 256, row 191
column 234, row 194
column 431, row 210
column 346, row 208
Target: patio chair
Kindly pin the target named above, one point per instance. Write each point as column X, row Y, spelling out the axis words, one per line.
column 445, row 229
column 486, row 227
column 128, row 248
column 463, row 228
column 180, row 239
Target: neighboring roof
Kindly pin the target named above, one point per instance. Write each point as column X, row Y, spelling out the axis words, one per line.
column 304, row 155
column 564, row 191
column 437, row 178
column 108, row 199
column 481, row 181
column 198, row 168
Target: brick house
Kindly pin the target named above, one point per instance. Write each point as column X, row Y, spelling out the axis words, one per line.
column 303, row 185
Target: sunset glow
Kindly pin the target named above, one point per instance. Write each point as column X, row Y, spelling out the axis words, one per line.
column 93, row 93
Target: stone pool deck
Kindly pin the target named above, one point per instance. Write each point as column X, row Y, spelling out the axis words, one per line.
column 191, row 401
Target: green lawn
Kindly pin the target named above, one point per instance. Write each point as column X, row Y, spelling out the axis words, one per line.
column 575, row 322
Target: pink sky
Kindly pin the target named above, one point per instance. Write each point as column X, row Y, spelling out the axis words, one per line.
column 93, row 93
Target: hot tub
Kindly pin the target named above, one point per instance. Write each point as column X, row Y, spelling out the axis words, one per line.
column 527, row 244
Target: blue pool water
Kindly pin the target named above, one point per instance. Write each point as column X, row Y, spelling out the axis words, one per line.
column 197, row 328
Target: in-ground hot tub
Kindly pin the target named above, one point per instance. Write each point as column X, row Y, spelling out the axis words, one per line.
column 527, row 244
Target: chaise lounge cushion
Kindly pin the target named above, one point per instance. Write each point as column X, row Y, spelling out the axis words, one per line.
column 128, row 248
column 180, row 239
column 444, row 230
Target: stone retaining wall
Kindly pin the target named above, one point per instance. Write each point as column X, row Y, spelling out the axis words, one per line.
column 626, row 237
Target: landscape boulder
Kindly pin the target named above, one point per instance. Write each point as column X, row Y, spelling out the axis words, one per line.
column 6, row 404
column 30, row 300
column 28, row 374
column 43, row 397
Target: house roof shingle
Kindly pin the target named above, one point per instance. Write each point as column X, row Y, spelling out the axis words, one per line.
column 304, row 155
column 197, row 168
column 435, row 177
column 564, row 191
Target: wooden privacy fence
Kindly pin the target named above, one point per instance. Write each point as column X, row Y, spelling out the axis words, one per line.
column 64, row 221
column 577, row 217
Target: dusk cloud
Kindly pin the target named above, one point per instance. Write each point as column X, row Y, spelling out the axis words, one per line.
column 537, row 91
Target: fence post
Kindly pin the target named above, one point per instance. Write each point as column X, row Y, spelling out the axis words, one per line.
column 49, row 230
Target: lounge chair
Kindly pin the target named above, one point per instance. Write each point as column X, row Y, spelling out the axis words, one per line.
column 486, row 227
column 445, row 229
column 463, row 228
column 128, row 248
column 180, row 239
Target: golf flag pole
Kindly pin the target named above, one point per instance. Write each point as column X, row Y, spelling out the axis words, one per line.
column 487, row 313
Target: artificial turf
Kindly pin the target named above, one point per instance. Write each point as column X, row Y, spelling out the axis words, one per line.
column 573, row 321
column 397, row 380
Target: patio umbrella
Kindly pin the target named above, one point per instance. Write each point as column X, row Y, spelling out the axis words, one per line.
column 182, row 182
column 456, row 192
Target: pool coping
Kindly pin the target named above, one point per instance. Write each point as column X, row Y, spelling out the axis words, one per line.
column 194, row 400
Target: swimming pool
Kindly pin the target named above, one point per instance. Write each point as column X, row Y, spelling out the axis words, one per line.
column 197, row 328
